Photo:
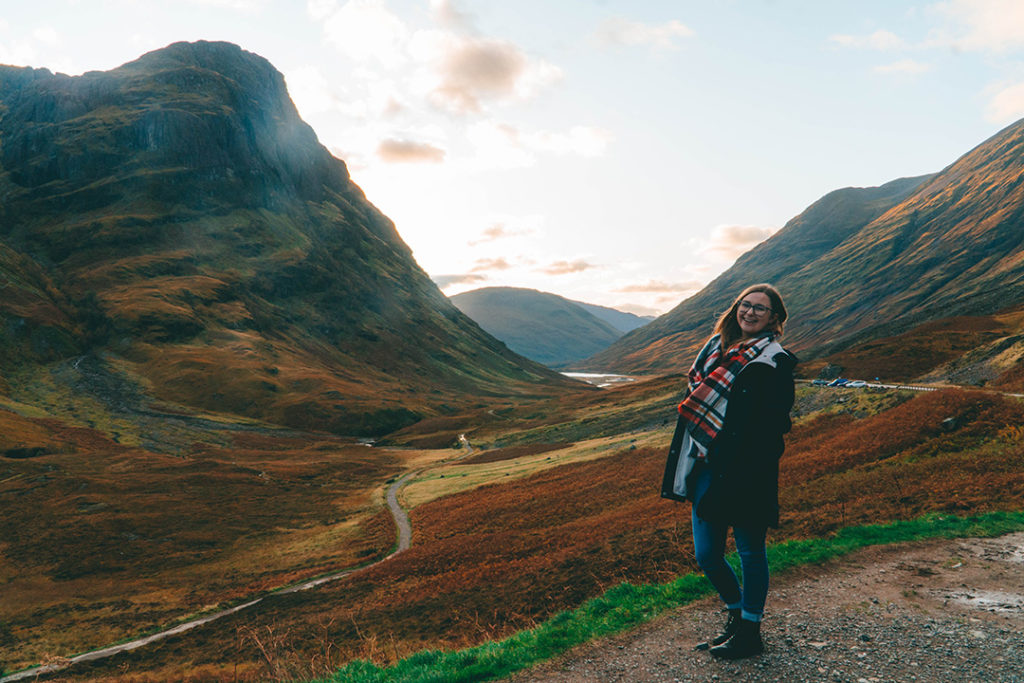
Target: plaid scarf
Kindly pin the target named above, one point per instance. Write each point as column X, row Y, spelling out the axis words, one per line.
column 711, row 379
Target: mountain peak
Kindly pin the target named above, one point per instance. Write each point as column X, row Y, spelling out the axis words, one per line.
column 176, row 215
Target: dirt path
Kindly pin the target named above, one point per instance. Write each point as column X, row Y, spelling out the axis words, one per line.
column 402, row 524
column 948, row 611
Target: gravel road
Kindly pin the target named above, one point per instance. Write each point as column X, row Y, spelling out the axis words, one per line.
column 950, row 611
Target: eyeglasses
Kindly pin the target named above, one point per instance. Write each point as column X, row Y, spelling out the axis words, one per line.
column 758, row 309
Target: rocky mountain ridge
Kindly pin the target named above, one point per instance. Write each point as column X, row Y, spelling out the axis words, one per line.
column 176, row 217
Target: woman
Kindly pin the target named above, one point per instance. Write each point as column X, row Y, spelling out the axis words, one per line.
column 724, row 456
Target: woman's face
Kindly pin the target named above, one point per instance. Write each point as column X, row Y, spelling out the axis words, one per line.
column 754, row 313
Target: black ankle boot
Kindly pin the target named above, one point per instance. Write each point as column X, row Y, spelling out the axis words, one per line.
column 731, row 624
column 746, row 642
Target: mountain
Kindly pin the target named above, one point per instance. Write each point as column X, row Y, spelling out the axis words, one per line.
column 177, row 223
column 865, row 264
column 668, row 343
column 620, row 320
column 545, row 327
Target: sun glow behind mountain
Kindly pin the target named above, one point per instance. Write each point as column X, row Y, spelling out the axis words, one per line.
column 606, row 152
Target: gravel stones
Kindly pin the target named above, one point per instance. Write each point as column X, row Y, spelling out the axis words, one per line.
column 881, row 615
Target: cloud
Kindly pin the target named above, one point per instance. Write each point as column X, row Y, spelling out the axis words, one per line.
column 485, row 264
column 985, row 25
column 620, row 31
column 470, row 71
column 1007, row 104
column 503, row 145
column 409, row 151
column 730, row 241
column 365, row 30
column 321, row 9
column 244, row 5
column 656, row 286
column 46, row 35
column 499, row 231
column 585, row 141
column 446, row 281
column 566, row 267
column 904, row 66
column 309, row 90
column 879, row 40
column 447, row 14
column 499, row 145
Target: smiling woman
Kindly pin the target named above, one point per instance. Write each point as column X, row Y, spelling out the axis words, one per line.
column 724, row 456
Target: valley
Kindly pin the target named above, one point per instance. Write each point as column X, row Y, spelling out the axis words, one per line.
column 228, row 389
column 518, row 529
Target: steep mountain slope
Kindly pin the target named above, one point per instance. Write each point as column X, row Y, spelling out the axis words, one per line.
column 177, row 219
column 667, row 343
column 865, row 264
column 545, row 327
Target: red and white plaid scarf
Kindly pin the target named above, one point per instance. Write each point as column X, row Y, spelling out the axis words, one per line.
column 711, row 379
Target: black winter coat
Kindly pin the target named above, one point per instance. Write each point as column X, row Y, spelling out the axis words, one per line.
column 744, row 457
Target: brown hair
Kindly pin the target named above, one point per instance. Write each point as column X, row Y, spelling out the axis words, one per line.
column 730, row 329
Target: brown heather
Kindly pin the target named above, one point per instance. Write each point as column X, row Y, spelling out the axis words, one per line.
column 502, row 557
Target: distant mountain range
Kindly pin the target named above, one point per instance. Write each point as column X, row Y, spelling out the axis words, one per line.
column 867, row 263
column 175, row 221
column 545, row 327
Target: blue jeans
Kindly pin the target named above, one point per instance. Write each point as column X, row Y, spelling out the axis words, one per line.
column 709, row 546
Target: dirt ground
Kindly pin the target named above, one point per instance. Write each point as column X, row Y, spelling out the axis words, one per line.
column 941, row 610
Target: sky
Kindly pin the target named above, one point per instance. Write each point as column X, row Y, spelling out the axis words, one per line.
column 617, row 152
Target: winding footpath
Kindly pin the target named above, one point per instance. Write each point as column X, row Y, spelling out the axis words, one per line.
column 402, row 523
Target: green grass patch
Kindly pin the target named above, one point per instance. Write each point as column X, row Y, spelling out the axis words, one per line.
column 627, row 605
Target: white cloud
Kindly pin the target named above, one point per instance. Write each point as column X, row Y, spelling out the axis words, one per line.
column 503, row 145
column 447, row 14
column 1007, row 104
column 985, row 25
column 728, row 242
column 321, row 9
column 21, row 53
column 498, row 145
column 367, row 31
column 621, row 31
column 46, row 35
column 585, row 141
column 904, row 66
column 879, row 40
column 309, row 90
column 242, row 5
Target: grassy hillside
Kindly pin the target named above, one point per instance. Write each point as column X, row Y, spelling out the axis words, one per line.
column 549, row 530
column 544, row 327
column 861, row 265
column 669, row 343
column 175, row 219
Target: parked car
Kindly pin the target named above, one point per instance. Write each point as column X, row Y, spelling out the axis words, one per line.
column 819, row 382
column 838, row 382
column 856, row 384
